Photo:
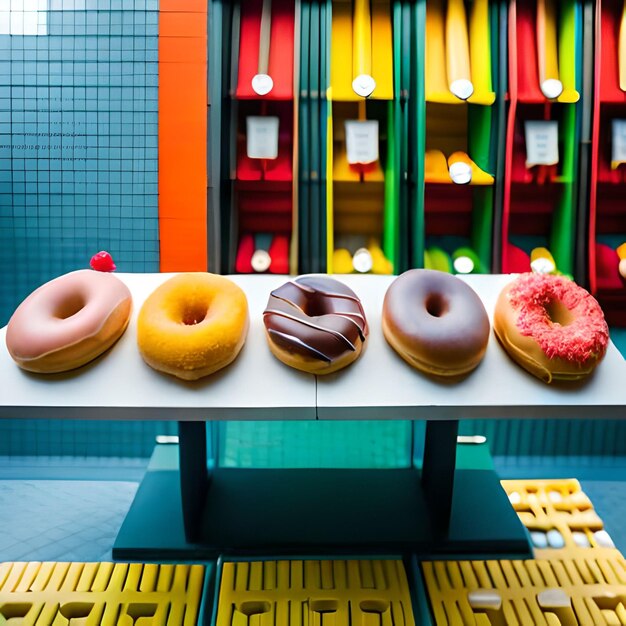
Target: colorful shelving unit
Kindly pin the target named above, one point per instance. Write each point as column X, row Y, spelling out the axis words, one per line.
column 545, row 65
column 362, row 192
column 459, row 123
column 258, row 178
column 607, row 216
column 313, row 123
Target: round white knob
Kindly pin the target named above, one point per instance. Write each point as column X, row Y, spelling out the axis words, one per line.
column 362, row 261
column 462, row 88
column 364, row 85
column 552, row 88
column 262, row 84
column 261, row 261
column 460, row 173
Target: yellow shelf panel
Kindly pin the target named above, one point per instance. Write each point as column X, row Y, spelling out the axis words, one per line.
column 439, row 57
column 342, row 56
column 436, row 168
column 435, row 55
column 344, row 172
column 382, row 50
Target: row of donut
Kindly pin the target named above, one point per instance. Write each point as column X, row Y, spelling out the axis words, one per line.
column 195, row 324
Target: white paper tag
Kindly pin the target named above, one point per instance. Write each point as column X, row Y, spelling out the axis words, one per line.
column 262, row 137
column 362, row 141
column 542, row 142
column 618, row 143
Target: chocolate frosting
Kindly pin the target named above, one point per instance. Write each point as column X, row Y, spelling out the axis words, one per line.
column 439, row 315
column 315, row 317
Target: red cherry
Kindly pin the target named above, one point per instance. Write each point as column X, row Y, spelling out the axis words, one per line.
column 102, row 262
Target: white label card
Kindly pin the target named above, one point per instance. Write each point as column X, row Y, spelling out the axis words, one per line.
column 262, row 137
column 362, row 141
column 542, row 142
column 618, row 143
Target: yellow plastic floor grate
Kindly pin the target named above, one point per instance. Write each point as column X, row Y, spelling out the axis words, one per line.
column 315, row 593
column 578, row 577
column 94, row 594
column 560, row 518
column 527, row 593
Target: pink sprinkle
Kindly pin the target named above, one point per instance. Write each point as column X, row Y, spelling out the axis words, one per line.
column 585, row 338
column 102, row 262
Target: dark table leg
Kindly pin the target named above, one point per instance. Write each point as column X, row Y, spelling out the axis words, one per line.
column 194, row 476
column 438, row 469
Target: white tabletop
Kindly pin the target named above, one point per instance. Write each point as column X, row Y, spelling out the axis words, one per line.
column 380, row 385
column 119, row 385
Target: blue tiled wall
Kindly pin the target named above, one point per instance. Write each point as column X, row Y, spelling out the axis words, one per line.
column 78, row 143
column 41, row 437
column 78, row 174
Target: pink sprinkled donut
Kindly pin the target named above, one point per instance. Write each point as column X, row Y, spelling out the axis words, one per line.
column 69, row 321
column 551, row 327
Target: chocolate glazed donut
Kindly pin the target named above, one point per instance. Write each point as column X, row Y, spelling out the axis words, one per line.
column 435, row 322
column 315, row 324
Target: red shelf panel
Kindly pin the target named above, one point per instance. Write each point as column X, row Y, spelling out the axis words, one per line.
column 446, row 198
column 607, row 208
column 609, row 67
column 607, row 263
column 607, row 113
column 527, row 74
column 514, row 259
column 533, row 199
column 278, row 251
column 281, row 49
column 269, row 170
column 519, row 172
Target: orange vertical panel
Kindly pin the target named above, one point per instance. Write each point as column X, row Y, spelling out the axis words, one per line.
column 183, row 6
column 182, row 135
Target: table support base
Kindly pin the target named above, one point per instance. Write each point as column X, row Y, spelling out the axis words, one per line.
column 194, row 475
column 318, row 512
column 438, row 470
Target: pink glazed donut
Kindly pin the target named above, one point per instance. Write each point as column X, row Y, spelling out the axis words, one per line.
column 69, row 321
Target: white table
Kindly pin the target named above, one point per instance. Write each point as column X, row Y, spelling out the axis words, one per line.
column 119, row 385
column 219, row 507
column 379, row 385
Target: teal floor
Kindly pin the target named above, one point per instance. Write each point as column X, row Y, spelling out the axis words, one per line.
column 71, row 509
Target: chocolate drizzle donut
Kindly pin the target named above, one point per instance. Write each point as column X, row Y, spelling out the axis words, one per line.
column 315, row 324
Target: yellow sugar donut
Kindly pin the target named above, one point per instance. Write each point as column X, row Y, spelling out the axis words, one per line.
column 193, row 325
